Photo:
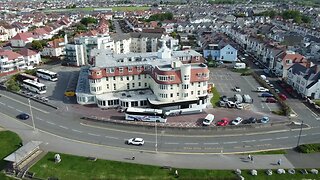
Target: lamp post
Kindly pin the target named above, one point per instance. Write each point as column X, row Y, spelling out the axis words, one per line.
column 156, row 131
column 31, row 115
column 300, row 134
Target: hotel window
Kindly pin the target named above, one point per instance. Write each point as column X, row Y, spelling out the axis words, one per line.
column 130, row 69
column 177, row 94
column 111, row 70
column 199, row 84
column 185, row 86
column 128, row 86
column 107, row 86
column 171, row 86
column 198, row 92
column 139, row 76
column 172, row 78
column 139, row 68
column 139, row 83
column 133, row 77
column 114, row 87
column 185, row 95
column 132, row 85
column 186, row 77
column 191, row 92
column 145, row 76
column 114, row 78
column 120, row 69
column 128, row 78
column 121, row 78
column 107, row 79
column 171, row 95
column 145, row 84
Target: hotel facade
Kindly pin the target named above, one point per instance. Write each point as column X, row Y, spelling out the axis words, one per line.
column 162, row 80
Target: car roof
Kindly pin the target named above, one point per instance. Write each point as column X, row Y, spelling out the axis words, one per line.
column 138, row 139
column 225, row 119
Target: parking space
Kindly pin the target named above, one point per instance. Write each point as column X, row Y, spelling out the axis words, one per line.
column 225, row 81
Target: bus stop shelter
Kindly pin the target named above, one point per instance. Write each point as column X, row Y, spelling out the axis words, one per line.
column 24, row 155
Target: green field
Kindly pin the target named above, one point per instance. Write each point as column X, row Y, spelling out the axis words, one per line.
column 75, row 167
column 216, row 97
column 118, row 8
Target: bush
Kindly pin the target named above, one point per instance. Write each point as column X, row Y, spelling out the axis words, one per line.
column 12, row 85
column 216, row 97
column 309, row 148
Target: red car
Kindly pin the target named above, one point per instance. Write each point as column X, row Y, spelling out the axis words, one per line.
column 223, row 122
column 282, row 97
column 271, row 100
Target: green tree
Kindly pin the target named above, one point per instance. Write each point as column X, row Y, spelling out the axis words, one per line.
column 88, row 20
column 161, row 17
column 12, row 85
column 174, row 34
column 81, row 28
column 37, row 45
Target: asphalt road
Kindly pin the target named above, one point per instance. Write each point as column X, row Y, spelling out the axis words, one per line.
column 69, row 125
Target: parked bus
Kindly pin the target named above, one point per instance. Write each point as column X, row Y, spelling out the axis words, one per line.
column 47, row 75
column 34, row 86
column 23, row 76
column 141, row 114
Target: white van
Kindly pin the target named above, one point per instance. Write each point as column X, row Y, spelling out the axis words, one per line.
column 238, row 98
column 240, row 66
column 208, row 120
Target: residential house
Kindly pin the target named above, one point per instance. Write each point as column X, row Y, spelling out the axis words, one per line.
column 11, row 61
column 221, row 52
column 7, row 31
column 55, row 48
column 286, row 60
column 306, row 81
column 30, row 57
column 21, row 39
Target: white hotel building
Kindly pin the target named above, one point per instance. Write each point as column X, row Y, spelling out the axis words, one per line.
column 161, row 80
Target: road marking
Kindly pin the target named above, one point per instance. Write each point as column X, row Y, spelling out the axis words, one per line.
column 63, row 127
column 76, row 130
column 249, row 141
column 91, row 134
column 191, row 143
column 313, row 113
column 171, row 143
column 282, row 138
column 10, row 107
column 268, row 106
column 265, row 140
column 50, row 123
column 18, row 110
column 110, row 137
column 210, row 143
column 39, row 119
column 315, row 133
column 300, row 136
column 262, row 106
column 233, row 142
column 317, row 118
column 2, row 103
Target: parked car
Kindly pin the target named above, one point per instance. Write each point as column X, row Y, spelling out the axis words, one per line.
column 222, row 103
column 236, row 121
column 277, row 90
column 239, row 106
column 266, row 95
column 262, row 89
column 23, row 116
column 271, row 100
column 224, row 98
column 208, row 120
column 264, row 119
column 135, row 141
column 223, row 122
column 282, row 97
column 246, row 55
column 251, row 120
column 231, row 104
column 237, row 89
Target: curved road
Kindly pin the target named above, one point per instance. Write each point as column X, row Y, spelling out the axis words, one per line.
column 72, row 127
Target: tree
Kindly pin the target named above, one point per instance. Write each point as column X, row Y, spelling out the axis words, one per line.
column 174, row 34
column 81, row 28
column 88, row 20
column 37, row 45
column 12, row 85
column 161, row 17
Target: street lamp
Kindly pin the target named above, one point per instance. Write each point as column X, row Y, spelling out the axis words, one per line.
column 300, row 134
column 31, row 115
column 155, row 127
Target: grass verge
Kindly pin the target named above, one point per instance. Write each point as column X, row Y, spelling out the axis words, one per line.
column 216, row 97
column 244, row 72
column 280, row 151
column 317, row 102
column 309, row 148
column 263, row 176
column 76, row 167
column 130, row 8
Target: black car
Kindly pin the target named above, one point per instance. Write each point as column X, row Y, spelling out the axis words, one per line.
column 251, row 120
column 23, row 116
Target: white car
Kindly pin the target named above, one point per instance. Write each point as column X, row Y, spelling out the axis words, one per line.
column 135, row 141
column 262, row 89
column 239, row 106
column 208, row 120
column 236, row 121
column 237, row 89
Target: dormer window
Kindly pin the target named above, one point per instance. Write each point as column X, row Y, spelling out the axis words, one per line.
column 120, row 69
column 111, row 70
column 129, row 69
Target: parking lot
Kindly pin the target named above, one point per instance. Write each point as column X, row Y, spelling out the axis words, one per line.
column 225, row 80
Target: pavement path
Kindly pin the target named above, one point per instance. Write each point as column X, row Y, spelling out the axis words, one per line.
column 195, row 161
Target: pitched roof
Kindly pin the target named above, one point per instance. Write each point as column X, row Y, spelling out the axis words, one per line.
column 22, row 36
column 27, row 52
column 10, row 54
column 55, row 43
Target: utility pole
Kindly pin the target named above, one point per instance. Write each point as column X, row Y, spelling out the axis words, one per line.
column 300, row 134
column 31, row 115
column 156, row 132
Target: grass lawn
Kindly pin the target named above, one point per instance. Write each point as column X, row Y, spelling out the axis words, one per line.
column 9, row 143
column 130, row 8
column 119, row 8
column 263, row 176
column 317, row 102
column 244, row 72
column 76, row 167
column 309, row 148
column 216, row 97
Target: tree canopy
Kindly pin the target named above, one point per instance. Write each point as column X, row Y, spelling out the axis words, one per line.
column 88, row 20
column 161, row 17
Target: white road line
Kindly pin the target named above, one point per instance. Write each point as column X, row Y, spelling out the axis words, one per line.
column 282, row 138
column 268, row 106
column 76, row 130
column 191, row 143
column 50, row 123
column 315, row 133
column 11, row 107
column 300, row 136
column 317, row 118
column 2, row 103
column 313, row 113
column 265, row 140
column 91, row 134
column 171, row 143
column 110, row 137
column 18, row 110
column 63, row 127
column 262, row 105
column 233, row 142
column 249, row 141
column 210, row 143
column 39, row 119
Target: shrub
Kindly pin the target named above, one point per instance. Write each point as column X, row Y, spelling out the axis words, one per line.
column 309, row 148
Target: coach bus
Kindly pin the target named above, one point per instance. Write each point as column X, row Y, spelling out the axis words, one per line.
column 141, row 114
column 47, row 75
column 34, row 86
column 23, row 76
